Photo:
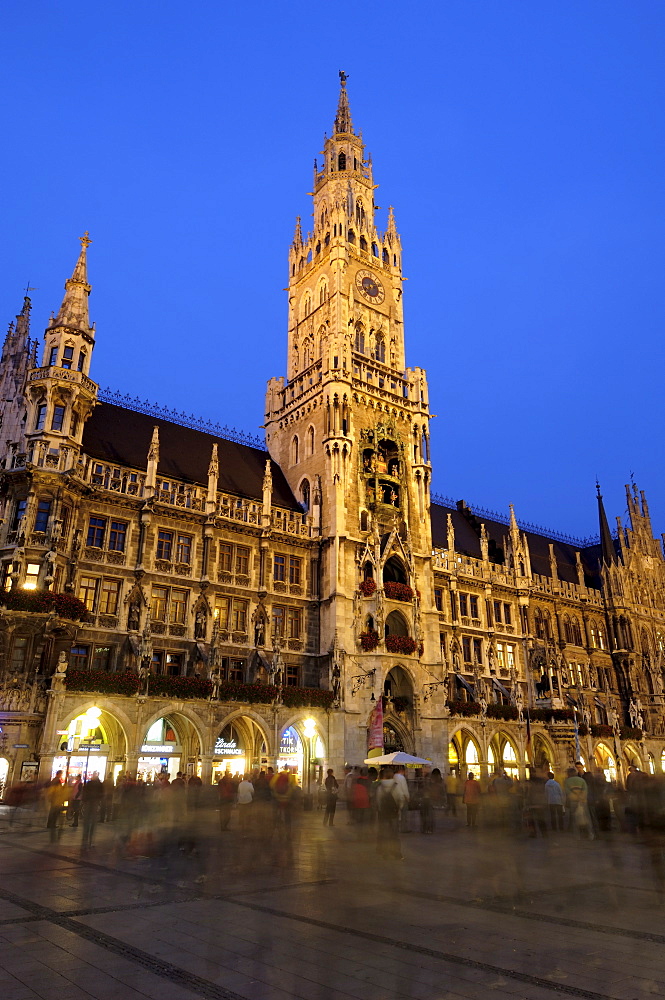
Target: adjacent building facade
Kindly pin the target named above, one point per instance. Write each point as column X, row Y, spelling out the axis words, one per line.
column 244, row 605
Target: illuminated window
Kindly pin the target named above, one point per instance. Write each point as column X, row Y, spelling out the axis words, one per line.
column 160, row 597
column 471, row 754
column 510, row 656
column 184, row 549
column 225, row 557
column 500, row 655
column 108, row 601
column 178, row 607
column 239, row 614
column 31, row 576
column 221, row 612
column 236, row 670
column 101, row 658
column 278, row 620
column 88, row 591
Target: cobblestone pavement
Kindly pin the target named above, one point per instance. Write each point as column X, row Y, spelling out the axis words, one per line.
column 466, row 914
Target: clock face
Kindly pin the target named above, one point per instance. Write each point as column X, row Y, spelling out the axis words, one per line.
column 370, row 287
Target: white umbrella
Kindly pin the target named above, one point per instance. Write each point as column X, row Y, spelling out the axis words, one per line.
column 399, row 757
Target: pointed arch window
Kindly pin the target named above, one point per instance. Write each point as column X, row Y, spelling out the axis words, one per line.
column 363, row 243
column 305, row 494
column 375, row 250
column 385, row 256
column 380, row 349
column 352, row 236
column 360, row 339
column 323, row 293
column 310, row 441
column 295, row 449
column 341, row 161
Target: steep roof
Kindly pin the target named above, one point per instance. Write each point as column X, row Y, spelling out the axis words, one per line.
column 467, row 541
column 122, row 436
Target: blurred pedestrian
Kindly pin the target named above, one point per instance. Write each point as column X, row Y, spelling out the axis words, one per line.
column 226, row 792
column 471, row 799
column 92, row 794
column 555, row 802
column 244, row 798
column 388, row 799
column 332, row 790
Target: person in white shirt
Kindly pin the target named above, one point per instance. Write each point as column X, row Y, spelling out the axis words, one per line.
column 244, row 799
column 404, row 796
column 555, row 801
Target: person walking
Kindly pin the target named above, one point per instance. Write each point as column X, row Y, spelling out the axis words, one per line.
column 452, row 792
column 575, row 788
column 56, row 798
column 471, row 799
column 245, row 798
column 227, row 793
column 388, row 799
column 332, row 789
column 92, row 794
column 555, row 802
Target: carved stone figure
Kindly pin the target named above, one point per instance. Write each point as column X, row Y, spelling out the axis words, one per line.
column 134, row 617
column 200, row 623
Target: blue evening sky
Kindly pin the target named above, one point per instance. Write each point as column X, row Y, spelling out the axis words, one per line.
column 521, row 143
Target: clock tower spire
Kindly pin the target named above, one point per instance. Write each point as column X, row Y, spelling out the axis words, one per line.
column 350, row 422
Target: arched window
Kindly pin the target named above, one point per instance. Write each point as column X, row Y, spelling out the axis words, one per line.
column 305, row 494
column 375, row 250
column 380, row 349
column 396, row 624
column 327, row 239
column 394, row 570
column 310, row 441
column 307, row 305
column 295, row 451
column 360, row 339
column 323, row 293
column 385, row 256
column 341, row 161
column 368, row 571
column 363, row 520
column 352, row 236
column 306, row 353
column 363, row 243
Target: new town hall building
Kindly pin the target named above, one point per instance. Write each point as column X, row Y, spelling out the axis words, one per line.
column 247, row 604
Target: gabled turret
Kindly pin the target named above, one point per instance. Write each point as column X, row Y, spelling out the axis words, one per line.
column 60, row 395
column 17, row 357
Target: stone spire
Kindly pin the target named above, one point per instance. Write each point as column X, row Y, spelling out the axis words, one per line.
column 73, row 312
column 297, row 235
column 343, row 121
column 606, row 541
column 391, row 232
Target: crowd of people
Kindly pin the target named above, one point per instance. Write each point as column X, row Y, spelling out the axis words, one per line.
column 379, row 804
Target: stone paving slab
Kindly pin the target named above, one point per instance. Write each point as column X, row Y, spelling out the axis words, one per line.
column 466, row 915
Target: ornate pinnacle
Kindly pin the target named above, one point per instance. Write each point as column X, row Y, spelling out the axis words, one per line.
column 343, row 121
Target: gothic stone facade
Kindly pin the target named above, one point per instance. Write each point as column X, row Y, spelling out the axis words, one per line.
column 319, row 567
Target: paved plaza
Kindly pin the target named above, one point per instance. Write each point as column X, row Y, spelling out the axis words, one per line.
column 466, row 914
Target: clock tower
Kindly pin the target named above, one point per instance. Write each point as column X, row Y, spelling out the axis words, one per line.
column 349, row 425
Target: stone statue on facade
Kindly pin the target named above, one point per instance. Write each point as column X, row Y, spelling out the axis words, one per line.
column 60, row 675
column 134, row 617
column 200, row 623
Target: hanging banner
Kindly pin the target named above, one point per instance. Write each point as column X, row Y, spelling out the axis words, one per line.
column 375, row 735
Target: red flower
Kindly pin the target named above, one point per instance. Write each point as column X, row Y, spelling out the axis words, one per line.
column 397, row 591
column 369, row 641
column 367, row 587
column 400, row 644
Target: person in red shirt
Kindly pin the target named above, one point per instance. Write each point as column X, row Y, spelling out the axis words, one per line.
column 471, row 799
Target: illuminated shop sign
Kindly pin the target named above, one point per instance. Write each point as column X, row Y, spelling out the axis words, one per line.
column 152, row 748
column 227, row 749
column 290, row 743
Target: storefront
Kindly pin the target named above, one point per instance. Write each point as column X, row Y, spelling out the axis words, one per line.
column 83, row 748
column 229, row 754
column 160, row 752
column 296, row 752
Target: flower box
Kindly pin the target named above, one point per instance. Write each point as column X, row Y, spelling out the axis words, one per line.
column 464, row 708
column 102, row 681
column 401, row 644
column 369, row 641
column 44, row 602
column 397, row 591
column 601, row 730
column 367, row 587
column 297, row 697
column 507, row 712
